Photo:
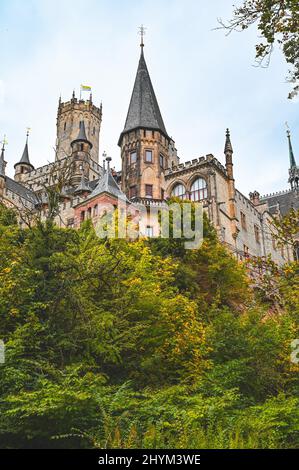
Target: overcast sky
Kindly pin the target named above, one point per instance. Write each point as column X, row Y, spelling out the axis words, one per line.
column 204, row 81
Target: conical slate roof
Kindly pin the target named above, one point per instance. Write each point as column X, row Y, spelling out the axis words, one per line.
column 25, row 157
column 144, row 111
column 82, row 135
column 291, row 153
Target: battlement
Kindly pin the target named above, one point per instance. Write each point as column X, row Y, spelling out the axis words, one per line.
column 278, row 193
column 79, row 105
column 195, row 163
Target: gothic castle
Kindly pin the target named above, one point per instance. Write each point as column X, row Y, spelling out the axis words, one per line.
column 151, row 173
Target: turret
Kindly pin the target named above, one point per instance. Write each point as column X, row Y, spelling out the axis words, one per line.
column 81, row 148
column 146, row 148
column 23, row 166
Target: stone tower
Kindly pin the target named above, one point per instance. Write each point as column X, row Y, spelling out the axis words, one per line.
column 69, row 116
column 23, row 166
column 146, row 148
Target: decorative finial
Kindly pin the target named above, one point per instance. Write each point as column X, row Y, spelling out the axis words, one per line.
column 4, row 142
column 228, row 145
column 27, row 133
column 108, row 160
column 142, row 32
column 90, row 97
column 73, row 96
column 104, row 160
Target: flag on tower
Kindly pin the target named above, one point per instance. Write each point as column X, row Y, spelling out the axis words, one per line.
column 85, row 88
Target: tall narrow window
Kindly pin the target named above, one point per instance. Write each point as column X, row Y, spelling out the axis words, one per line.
column 243, row 221
column 149, row 190
column 257, row 234
column 133, row 192
column 162, row 160
column 133, row 157
column 149, row 231
column 199, row 190
column 149, row 156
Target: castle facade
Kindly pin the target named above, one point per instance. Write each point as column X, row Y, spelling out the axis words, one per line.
column 151, row 173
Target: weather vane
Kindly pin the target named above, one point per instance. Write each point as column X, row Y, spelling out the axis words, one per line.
column 28, row 131
column 142, row 32
column 288, row 129
column 4, row 141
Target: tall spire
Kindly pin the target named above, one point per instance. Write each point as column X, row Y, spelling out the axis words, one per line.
column 25, row 157
column 2, row 160
column 144, row 111
column 291, row 153
column 228, row 145
column 294, row 170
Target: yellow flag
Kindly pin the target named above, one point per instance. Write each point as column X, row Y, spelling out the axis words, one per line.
column 85, row 88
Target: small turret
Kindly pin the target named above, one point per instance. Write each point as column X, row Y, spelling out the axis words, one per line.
column 81, row 148
column 23, row 166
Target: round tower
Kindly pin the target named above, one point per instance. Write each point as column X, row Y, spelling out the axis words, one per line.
column 69, row 116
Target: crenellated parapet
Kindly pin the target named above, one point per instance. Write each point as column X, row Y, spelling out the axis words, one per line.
column 193, row 165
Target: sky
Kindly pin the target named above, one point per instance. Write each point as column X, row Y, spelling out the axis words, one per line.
column 204, row 80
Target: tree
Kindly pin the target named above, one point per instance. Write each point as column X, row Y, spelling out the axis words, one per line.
column 277, row 22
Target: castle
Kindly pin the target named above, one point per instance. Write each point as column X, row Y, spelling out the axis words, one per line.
column 151, row 173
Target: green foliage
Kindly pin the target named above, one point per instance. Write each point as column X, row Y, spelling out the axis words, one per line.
column 141, row 344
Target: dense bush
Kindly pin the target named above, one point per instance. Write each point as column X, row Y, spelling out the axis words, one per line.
column 117, row 344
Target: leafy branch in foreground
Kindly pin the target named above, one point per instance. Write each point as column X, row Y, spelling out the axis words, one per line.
column 277, row 22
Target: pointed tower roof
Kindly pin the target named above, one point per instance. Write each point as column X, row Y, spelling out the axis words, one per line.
column 291, row 153
column 2, row 162
column 107, row 184
column 82, row 135
column 25, row 157
column 83, row 186
column 144, row 111
column 228, row 145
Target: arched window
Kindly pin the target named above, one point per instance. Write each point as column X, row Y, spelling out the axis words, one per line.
column 199, row 190
column 179, row 191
